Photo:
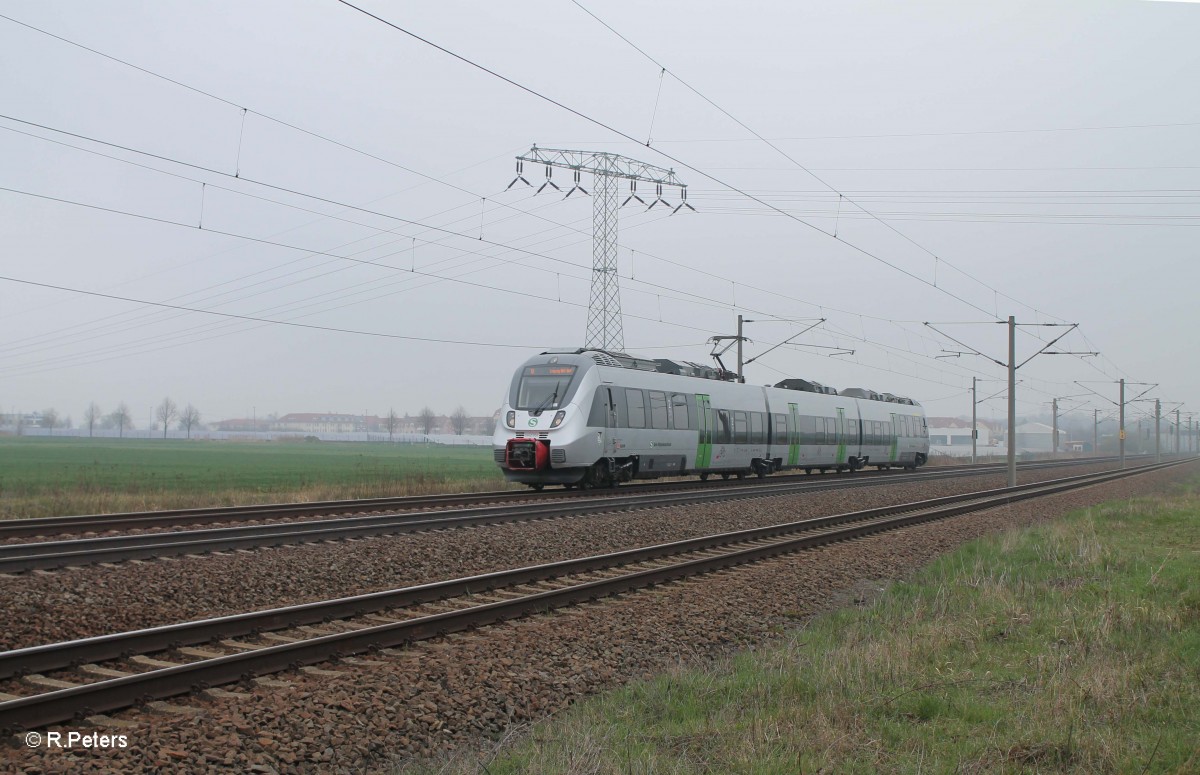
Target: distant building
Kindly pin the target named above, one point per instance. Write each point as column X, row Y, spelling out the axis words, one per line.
column 1038, row 437
column 335, row 422
column 952, row 436
column 328, row 422
column 243, row 424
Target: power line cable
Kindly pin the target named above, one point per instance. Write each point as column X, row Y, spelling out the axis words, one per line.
column 129, row 149
column 385, row 160
column 675, row 159
column 794, row 161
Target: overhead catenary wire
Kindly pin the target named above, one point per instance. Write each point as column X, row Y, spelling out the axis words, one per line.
column 857, row 248
column 792, row 160
column 282, row 122
column 259, row 240
column 298, row 193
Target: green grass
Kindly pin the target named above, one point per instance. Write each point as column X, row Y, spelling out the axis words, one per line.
column 1070, row 648
column 45, row 477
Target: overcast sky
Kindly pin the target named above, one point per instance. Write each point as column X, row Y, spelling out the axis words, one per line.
column 314, row 166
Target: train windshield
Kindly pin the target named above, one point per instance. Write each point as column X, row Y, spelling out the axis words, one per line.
column 543, row 387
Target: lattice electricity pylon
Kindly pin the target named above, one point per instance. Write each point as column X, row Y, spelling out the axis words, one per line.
column 604, row 328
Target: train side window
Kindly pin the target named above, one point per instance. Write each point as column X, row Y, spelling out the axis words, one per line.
column 637, row 407
column 724, row 428
column 658, row 410
column 781, row 436
column 757, row 431
column 830, row 435
column 808, row 429
column 679, row 409
column 739, row 427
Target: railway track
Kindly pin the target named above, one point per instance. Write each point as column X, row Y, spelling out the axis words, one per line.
column 49, row 555
column 46, row 527
column 169, row 660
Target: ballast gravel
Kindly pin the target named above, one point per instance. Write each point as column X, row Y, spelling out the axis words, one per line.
column 464, row 691
column 46, row 607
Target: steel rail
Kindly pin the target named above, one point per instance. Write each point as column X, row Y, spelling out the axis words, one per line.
column 41, row 658
column 23, row 557
column 47, row 526
column 65, row 704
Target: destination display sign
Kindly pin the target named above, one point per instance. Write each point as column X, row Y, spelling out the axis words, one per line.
column 550, row 370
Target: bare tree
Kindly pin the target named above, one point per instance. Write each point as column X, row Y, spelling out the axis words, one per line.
column 390, row 422
column 91, row 416
column 50, row 419
column 165, row 413
column 189, row 418
column 120, row 418
column 426, row 417
column 459, row 420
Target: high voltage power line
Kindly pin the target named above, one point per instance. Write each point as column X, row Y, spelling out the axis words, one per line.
column 399, row 166
column 352, row 207
column 428, row 177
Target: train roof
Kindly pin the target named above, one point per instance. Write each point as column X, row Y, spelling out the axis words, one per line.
column 689, row 369
column 660, row 365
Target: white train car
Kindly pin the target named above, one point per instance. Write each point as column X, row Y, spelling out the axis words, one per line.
column 591, row 418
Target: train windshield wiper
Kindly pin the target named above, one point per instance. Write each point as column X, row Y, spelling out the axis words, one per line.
column 550, row 399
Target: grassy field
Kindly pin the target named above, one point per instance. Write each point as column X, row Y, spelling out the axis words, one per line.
column 48, row 477
column 1070, row 648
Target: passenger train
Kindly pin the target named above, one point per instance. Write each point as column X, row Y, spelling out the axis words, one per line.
column 591, row 418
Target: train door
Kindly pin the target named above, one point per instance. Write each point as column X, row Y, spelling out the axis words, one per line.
column 793, row 435
column 606, row 422
column 704, row 424
column 840, row 429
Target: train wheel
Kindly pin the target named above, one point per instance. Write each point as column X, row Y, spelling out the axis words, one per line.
column 808, row 470
column 725, row 477
column 568, row 487
column 704, row 477
column 537, row 487
column 740, row 475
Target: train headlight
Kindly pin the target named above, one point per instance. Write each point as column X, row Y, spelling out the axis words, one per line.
column 558, row 418
column 511, row 419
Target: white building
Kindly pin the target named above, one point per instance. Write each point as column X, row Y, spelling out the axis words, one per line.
column 1039, row 437
column 952, row 436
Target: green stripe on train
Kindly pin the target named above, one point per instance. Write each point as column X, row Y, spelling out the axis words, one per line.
column 704, row 432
